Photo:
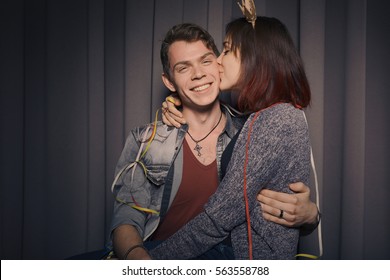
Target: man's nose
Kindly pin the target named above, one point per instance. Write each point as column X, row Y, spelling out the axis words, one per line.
column 198, row 73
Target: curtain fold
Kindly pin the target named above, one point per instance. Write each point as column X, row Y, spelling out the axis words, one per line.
column 76, row 76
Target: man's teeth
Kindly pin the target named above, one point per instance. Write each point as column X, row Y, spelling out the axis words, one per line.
column 202, row 87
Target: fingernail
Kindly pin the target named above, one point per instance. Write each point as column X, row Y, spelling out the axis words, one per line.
column 170, row 99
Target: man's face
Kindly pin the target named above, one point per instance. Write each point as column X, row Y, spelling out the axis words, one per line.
column 194, row 74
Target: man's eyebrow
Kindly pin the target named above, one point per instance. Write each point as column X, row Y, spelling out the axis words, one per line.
column 206, row 55
column 186, row 62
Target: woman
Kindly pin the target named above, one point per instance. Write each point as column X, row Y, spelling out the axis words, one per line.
column 260, row 64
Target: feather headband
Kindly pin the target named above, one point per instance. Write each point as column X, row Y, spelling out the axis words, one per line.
column 248, row 8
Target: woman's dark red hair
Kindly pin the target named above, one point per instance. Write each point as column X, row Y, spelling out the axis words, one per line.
column 271, row 68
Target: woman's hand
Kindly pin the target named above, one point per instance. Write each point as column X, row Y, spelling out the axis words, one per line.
column 171, row 116
column 292, row 210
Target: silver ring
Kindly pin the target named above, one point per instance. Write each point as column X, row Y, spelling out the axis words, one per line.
column 281, row 214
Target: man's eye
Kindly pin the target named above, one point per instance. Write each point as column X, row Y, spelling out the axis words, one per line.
column 207, row 62
column 181, row 69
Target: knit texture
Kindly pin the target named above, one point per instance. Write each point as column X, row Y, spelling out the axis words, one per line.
column 279, row 154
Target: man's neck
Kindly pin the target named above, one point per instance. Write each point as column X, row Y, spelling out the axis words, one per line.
column 200, row 121
column 205, row 126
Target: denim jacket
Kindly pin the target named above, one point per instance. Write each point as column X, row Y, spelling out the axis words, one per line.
column 157, row 175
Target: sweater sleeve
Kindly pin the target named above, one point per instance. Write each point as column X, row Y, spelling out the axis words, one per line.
column 278, row 135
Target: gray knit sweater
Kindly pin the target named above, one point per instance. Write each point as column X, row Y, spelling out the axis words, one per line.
column 279, row 154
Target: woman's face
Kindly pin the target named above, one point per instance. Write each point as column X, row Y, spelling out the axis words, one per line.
column 229, row 67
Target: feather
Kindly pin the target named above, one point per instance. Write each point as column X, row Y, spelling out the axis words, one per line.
column 248, row 9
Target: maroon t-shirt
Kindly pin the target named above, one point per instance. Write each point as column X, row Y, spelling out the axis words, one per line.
column 198, row 183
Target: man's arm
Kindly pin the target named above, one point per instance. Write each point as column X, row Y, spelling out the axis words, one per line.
column 298, row 209
column 125, row 241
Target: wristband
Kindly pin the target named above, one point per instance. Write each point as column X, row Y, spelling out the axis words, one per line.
column 132, row 248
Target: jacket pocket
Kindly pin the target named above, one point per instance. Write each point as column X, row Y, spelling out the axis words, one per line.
column 157, row 174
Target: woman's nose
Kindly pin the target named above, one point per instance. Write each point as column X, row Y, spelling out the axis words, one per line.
column 219, row 59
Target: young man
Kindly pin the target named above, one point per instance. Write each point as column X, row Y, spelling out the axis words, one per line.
column 174, row 175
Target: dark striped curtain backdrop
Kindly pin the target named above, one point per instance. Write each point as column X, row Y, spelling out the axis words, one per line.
column 76, row 76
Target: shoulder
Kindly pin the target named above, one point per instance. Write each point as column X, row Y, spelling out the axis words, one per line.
column 282, row 113
column 234, row 119
column 155, row 142
column 278, row 121
column 282, row 109
column 159, row 131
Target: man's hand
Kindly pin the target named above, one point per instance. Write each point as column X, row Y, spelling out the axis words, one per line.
column 171, row 116
column 297, row 208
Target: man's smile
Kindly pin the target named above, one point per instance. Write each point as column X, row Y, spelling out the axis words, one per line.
column 201, row 88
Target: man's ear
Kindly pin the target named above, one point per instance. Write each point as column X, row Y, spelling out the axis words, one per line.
column 167, row 82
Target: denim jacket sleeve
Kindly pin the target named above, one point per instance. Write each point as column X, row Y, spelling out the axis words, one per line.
column 143, row 184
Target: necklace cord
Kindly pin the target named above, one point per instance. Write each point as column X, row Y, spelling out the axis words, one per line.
column 197, row 141
column 199, row 147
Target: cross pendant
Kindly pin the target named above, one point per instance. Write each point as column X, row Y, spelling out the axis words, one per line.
column 198, row 148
